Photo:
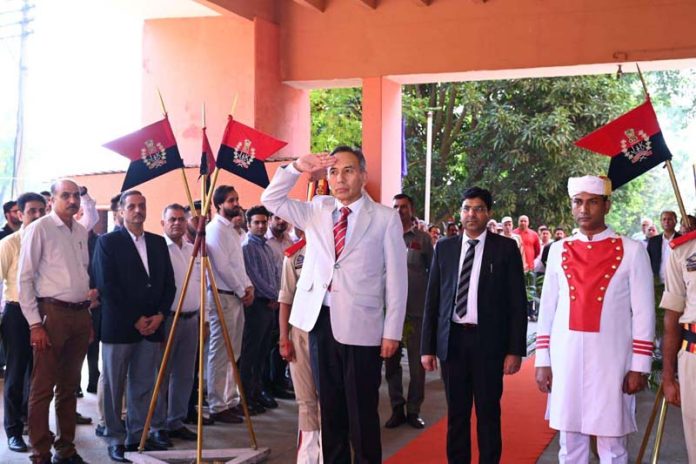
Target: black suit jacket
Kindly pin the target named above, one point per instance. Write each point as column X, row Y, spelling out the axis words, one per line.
column 126, row 290
column 655, row 252
column 502, row 299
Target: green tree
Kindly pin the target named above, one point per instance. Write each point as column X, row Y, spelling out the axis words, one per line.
column 336, row 118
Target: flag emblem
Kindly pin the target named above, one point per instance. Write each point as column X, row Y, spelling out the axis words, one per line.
column 154, row 155
column 244, row 154
column 636, row 147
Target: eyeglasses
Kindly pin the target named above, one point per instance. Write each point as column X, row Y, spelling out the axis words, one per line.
column 474, row 209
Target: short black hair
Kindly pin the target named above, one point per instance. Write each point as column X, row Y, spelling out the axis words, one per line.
column 173, row 206
column 357, row 152
column 674, row 214
column 559, row 228
column 478, row 192
column 220, row 194
column 126, row 194
column 196, row 204
column 543, row 228
column 115, row 201
column 27, row 197
column 403, row 196
column 8, row 205
column 45, row 193
column 257, row 209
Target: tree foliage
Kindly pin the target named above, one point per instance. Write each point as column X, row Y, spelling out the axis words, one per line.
column 516, row 138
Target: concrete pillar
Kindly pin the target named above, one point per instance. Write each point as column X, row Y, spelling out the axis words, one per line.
column 381, row 109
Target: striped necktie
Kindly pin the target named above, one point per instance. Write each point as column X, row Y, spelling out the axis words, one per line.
column 464, row 278
column 339, row 231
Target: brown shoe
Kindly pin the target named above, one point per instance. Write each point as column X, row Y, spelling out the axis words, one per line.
column 226, row 417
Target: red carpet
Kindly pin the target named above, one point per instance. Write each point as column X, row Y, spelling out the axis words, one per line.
column 525, row 432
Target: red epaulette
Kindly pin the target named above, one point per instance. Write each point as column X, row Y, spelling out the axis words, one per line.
column 295, row 247
column 682, row 240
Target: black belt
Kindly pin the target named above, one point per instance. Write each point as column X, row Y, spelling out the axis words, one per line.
column 64, row 304
column 465, row 326
column 223, row 292
column 184, row 314
column 688, row 335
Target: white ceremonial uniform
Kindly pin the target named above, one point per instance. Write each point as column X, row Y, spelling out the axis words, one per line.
column 590, row 360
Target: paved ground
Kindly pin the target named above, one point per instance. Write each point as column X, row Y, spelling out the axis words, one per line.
column 277, row 430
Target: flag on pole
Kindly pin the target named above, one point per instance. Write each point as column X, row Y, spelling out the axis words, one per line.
column 634, row 142
column 207, row 158
column 243, row 151
column 152, row 151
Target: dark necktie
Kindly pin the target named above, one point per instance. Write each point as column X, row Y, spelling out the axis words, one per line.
column 464, row 278
column 339, row 231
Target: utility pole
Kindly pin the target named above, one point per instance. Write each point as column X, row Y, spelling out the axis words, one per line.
column 23, row 24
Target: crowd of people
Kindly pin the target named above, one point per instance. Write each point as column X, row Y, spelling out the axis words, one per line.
column 316, row 297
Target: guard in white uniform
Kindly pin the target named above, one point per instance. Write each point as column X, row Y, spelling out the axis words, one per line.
column 596, row 330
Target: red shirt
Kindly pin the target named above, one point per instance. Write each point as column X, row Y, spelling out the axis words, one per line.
column 530, row 246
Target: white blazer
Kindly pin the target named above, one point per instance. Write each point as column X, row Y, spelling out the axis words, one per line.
column 369, row 283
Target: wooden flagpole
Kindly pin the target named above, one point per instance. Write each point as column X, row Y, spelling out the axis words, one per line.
column 668, row 163
column 183, row 171
column 216, row 172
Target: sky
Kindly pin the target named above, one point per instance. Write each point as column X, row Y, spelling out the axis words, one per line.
column 83, row 85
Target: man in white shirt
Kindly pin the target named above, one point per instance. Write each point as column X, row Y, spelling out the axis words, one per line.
column 54, row 296
column 14, row 327
column 172, row 402
column 236, row 291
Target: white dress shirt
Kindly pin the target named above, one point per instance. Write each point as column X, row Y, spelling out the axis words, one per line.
column 336, row 215
column 666, row 250
column 226, row 258
column 53, row 262
column 180, row 258
column 471, row 316
column 141, row 246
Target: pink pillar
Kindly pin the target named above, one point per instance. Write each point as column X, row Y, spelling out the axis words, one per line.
column 381, row 107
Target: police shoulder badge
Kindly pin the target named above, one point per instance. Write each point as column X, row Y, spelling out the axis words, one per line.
column 636, row 146
column 244, row 154
column 153, row 154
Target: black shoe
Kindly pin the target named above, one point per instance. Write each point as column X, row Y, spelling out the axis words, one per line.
column 283, row 394
column 17, row 444
column 397, row 418
column 161, row 438
column 266, row 400
column 74, row 459
column 82, row 420
column 193, row 420
column 254, row 409
column 415, row 421
column 117, row 453
column 183, row 433
column 227, row 417
column 78, row 393
column 92, row 388
column 149, row 446
column 100, row 431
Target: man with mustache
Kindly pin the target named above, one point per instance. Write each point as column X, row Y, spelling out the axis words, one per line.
column 236, row 292
column 54, row 294
column 596, row 329
column 135, row 279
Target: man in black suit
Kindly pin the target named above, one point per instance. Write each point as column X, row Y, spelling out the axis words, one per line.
column 134, row 275
column 475, row 321
column 658, row 246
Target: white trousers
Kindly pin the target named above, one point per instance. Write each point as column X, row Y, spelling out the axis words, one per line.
column 575, row 449
column 309, row 451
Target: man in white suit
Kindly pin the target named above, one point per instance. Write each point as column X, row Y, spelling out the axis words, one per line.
column 351, row 296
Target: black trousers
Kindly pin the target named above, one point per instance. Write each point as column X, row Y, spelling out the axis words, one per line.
column 93, row 349
column 349, row 378
column 15, row 342
column 471, row 377
column 256, row 345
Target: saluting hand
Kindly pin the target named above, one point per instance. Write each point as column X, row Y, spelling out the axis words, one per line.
column 314, row 162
